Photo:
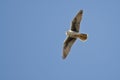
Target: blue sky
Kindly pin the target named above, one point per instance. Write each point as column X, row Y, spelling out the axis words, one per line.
column 32, row 34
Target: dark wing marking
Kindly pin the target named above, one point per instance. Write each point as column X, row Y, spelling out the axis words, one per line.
column 67, row 46
column 76, row 21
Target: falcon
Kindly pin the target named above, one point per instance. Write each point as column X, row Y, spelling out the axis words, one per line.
column 73, row 34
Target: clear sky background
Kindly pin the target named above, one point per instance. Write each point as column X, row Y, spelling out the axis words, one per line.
column 32, row 34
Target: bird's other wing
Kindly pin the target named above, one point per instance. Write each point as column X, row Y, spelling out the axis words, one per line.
column 67, row 46
column 75, row 25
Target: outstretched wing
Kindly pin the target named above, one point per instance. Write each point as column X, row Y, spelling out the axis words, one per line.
column 75, row 25
column 67, row 46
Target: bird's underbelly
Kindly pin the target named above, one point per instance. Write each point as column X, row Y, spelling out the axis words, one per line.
column 72, row 34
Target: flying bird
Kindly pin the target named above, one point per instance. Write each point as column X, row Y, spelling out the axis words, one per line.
column 73, row 34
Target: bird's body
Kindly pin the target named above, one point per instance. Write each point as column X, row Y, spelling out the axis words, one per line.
column 73, row 34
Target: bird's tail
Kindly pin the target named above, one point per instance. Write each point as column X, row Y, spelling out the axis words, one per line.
column 82, row 36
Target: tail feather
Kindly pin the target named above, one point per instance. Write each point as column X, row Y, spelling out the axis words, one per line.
column 83, row 37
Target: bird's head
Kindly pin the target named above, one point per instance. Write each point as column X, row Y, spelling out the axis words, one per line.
column 68, row 32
